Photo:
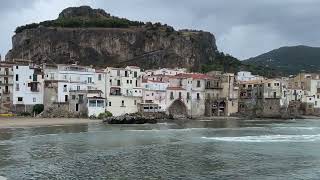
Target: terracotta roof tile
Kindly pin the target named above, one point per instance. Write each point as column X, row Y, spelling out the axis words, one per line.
column 193, row 76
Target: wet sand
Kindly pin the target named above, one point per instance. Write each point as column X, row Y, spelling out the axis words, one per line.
column 33, row 122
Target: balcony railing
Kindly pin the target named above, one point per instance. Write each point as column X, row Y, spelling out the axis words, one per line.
column 115, row 94
column 5, row 92
column 6, row 84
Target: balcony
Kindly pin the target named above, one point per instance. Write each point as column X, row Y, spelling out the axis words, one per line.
column 6, row 74
column 115, row 91
column 6, row 83
column 5, row 92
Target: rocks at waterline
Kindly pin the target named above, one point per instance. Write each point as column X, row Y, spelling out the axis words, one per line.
column 130, row 119
column 138, row 118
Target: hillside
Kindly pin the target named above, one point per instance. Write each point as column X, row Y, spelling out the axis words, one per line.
column 290, row 60
column 93, row 37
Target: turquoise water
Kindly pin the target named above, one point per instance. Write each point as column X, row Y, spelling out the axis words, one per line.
column 196, row 150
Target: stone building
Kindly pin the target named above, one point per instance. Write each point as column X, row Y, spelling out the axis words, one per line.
column 188, row 91
column 262, row 98
column 6, row 87
column 221, row 95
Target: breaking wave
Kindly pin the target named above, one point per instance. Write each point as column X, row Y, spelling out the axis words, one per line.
column 268, row 138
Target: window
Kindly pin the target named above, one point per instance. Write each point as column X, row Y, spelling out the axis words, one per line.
column 180, row 95
column 100, row 103
column 78, row 88
column 122, row 103
column 118, row 83
column 269, row 84
column 130, row 81
column 99, row 77
column 126, row 73
column 80, row 98
column 198, row 84
column 274, row 94
column 188, row 95
column 65, row 77
column 135, row 102
column 109, row 103
column 152, row 94
column 30, row 77
column 20, row 99
column 73, row 97
column 135, row 74
column 92, row 103
column 198, row 96
column 34, row 99
column 316, row 103
column 17, row 87
column 17, row 77
column 127, row 81
column 118, row 72
column 17, row 67
column 136, row 83
column 89, row 79
column 171, row 96
column 66, row 98
column 64, row 88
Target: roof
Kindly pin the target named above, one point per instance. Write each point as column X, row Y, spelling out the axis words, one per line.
column 94, row 91
column 175, row 88
column 134, row 67
column 193, row 76
column 100, row 71
column 258, row 81
column 95, row 98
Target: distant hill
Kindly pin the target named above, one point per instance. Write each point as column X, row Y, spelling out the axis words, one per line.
column 289, row 60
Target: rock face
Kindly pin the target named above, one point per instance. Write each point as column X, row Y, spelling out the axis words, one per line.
column 148, row 45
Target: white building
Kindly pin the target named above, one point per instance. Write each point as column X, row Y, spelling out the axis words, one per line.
column 69, row 78
column 124, row 91
column 247, row 76
column 165, row 71
column 27, row 87
column 154, row 93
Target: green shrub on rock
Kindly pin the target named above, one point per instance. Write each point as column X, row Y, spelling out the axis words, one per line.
column 104, row 115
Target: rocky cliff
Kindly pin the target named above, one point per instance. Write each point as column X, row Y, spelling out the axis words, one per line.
column 93, row 37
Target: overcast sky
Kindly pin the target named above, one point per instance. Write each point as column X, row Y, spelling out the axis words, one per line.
column 243, row 28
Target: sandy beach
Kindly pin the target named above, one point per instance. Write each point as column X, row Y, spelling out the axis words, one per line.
column 32, row 122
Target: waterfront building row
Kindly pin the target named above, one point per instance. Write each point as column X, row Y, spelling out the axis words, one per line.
column 86, row 91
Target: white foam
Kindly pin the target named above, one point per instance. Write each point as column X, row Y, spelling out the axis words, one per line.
column 268, row 138
column 2, row 178
column 156, row 130
column 297, row 128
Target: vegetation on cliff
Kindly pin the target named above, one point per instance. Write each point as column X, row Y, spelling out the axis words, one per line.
column 289, row 60
column 227, row 63
column 86, row 17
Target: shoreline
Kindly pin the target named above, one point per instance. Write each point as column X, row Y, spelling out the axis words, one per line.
column 22, row 122
column 17, row 122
